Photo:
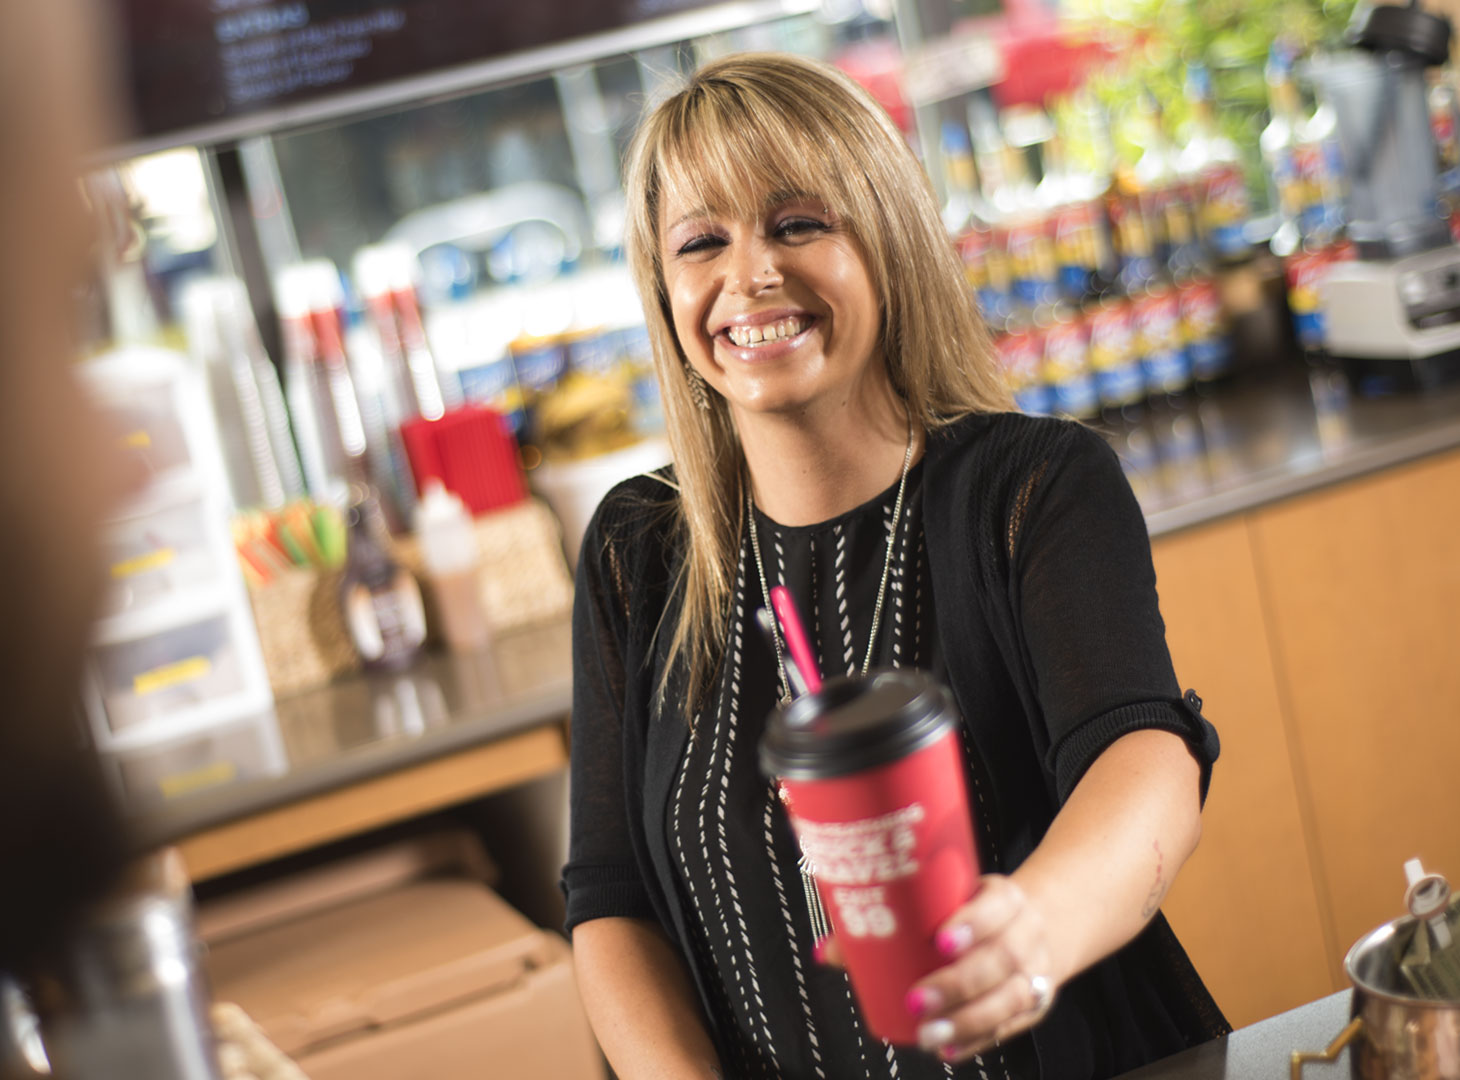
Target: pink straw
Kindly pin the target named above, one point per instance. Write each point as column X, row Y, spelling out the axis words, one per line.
column 795, row 635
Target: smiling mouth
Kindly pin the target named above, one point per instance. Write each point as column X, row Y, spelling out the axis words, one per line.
column 748, row 337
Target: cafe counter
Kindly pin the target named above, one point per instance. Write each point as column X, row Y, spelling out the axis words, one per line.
column 1304, row 543
column 370, row 750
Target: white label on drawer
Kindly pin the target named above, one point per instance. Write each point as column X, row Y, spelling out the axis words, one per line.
column 153, row 560
column 160, row 678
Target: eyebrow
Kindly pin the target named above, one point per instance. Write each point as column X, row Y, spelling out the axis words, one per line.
column 697, row 212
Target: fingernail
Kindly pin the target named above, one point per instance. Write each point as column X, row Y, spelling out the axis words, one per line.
column 922, row 1000
column 935, row 1034
column 954, row 940
column 818, row 951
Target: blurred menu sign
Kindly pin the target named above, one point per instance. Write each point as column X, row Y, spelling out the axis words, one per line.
column 202, row 68
column 951, row 65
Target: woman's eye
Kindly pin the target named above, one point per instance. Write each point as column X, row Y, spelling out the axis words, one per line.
column 703, row 242
column 800, row 227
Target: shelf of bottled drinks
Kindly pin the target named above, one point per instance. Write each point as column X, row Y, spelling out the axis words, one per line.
column 1104, row 283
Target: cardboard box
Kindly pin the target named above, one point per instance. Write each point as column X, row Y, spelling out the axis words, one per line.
column 442, row 852
column 436, row 979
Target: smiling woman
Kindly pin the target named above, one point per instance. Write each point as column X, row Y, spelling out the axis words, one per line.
column 839, row 429
column 703, row 162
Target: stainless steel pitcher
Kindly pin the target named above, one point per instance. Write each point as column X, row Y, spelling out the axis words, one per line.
column 127, row 998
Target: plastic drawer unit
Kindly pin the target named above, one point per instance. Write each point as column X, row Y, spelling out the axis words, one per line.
column 176, row 678
column 163, row 547
column 245, row 750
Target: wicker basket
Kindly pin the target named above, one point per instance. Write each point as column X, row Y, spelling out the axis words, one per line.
column 524, row 578
column 302, row 630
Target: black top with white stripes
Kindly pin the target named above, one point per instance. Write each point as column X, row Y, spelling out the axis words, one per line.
column 736, row 857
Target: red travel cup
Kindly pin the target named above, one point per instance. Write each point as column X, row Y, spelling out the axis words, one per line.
column 871, row 773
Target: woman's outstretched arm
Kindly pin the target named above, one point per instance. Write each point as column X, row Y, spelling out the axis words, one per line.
column 1092, row 885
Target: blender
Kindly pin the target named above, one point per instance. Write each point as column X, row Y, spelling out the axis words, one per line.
column 1392, row 316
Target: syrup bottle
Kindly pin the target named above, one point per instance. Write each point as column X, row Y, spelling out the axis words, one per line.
column 382, row 605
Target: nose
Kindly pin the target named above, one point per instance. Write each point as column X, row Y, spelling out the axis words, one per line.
column 753, row 269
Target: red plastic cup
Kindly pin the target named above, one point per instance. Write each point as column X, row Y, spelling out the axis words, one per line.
column 871, row 773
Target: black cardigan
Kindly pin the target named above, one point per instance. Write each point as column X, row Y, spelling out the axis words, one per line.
column 1028, row 521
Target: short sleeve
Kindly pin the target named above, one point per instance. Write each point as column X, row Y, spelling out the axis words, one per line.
column 1091, row 623
column 602, row 876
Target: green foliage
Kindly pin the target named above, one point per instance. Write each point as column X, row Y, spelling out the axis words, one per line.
column 1156, row 39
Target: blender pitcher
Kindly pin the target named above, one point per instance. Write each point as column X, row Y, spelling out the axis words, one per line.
column 1377, row 92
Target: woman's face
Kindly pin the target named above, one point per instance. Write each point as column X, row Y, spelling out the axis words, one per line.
column 778, row 312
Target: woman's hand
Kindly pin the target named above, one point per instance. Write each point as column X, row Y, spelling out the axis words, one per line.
column 1096, row 879
column 1093, row 883
column 1000, row 979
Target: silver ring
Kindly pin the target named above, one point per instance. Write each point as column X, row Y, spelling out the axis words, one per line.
column 1043, row 991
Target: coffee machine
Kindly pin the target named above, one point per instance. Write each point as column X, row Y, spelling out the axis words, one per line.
column 1392, row 316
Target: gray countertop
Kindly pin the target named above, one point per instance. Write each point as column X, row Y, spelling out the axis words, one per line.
column 1221, row 453
column 1247, row 445
column 1263, row 1051
column 368, row 725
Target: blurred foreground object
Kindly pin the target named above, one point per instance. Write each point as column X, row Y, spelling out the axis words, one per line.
column 245, row 1051
column 124, row 998
column 64, row 841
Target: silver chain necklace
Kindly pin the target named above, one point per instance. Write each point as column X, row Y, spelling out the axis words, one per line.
column 765, row 588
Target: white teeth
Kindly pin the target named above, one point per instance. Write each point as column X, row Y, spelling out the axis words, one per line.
column 747, row 336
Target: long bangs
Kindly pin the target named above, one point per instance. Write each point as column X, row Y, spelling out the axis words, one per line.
column 727, row 148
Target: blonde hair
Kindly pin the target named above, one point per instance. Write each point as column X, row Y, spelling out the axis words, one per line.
column 744, row 128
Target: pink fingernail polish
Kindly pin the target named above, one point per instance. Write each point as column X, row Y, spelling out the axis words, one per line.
column 921, row 1000
column 954, row 940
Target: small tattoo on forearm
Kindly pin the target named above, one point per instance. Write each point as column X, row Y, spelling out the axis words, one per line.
column 1158, row 887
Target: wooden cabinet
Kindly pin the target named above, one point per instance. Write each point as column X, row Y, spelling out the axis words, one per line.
column 1245, row 905
column 1322, row 633
column 1362, row 586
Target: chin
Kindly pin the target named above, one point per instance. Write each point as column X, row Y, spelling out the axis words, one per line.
column 778, row 396
column 777, row 404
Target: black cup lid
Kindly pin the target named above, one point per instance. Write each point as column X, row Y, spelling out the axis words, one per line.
column 854, row 724
column 1403, row 29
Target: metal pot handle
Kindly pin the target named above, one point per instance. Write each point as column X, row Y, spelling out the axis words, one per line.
column 1336, row 1047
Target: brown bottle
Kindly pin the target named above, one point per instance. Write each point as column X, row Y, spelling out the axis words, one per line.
column 380, row 599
